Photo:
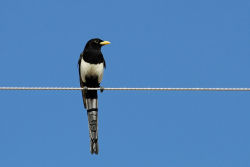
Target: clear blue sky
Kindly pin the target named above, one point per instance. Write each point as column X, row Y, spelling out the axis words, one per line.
column 153, row 44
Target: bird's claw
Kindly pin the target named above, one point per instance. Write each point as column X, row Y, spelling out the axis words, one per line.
column 85, row 89
column 101, row 89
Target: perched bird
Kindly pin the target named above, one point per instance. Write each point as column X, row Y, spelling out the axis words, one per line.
column 91, row 66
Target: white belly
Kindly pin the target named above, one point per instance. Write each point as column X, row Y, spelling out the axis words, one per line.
column 88, row 70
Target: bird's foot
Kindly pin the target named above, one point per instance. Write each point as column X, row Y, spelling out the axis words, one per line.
column 101, row 89
column 85, row 88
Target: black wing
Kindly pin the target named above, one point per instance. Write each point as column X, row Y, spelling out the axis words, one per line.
column 81, row 83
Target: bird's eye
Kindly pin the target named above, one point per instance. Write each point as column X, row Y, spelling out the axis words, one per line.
column 96, row 41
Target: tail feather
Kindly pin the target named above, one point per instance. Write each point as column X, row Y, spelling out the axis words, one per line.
column 92, row 109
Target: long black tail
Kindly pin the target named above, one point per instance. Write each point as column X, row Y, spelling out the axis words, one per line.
column 92, row 109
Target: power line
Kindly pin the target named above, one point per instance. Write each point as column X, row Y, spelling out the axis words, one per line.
column 159, row 89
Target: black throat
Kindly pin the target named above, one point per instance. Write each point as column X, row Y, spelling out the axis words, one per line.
column 93, row 56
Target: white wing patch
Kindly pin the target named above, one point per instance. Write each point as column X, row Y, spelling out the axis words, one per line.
column 88, row 69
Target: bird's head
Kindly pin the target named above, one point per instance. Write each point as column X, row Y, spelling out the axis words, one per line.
column 96, row 43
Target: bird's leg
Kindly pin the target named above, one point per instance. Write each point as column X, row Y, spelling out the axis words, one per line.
column 101, row 89
column 85, row 88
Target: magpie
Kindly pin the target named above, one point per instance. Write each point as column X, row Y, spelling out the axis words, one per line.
column 91, row 65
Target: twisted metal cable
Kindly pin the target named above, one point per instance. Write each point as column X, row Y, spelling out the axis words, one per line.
column 159, row 89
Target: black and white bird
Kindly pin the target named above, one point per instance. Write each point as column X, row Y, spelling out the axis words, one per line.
column 91, row 66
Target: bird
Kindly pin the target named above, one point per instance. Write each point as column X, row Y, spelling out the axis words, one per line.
column 91, row 66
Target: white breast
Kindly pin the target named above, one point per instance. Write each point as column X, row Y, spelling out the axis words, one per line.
column 88, row 69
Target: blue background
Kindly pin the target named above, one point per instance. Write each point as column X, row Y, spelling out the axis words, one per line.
column 153, row 44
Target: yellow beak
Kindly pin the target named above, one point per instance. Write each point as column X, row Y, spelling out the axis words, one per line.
column 105, row 43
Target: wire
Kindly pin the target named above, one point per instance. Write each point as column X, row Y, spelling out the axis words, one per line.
column 159, row 89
